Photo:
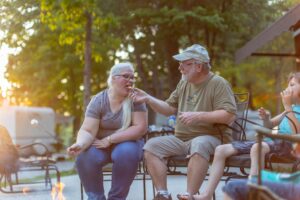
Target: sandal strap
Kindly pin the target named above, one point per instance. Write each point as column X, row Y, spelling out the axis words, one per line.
column 185, row 196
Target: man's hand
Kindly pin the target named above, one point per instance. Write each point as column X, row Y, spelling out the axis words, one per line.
column 102, row 144
column 75, row 149
column 139, row 96
column 189, row 118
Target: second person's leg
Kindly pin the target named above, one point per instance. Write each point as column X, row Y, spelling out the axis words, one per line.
column 222, row 152
column 254, row 157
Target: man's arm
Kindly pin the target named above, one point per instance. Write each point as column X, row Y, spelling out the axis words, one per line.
column 157, row 105
column 160, row 106
column 217, row 116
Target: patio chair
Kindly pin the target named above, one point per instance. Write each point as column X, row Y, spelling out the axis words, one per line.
column 238, row 133
column 11, row 164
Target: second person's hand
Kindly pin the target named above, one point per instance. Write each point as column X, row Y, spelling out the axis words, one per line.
column 139, row 96
column 263, row 114
column 74, row 149
column 101, row 144
column 286, row 97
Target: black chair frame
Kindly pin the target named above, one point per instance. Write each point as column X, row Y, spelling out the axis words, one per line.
column 40, row 163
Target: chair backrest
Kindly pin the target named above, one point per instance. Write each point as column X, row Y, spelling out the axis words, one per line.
column 239, row 125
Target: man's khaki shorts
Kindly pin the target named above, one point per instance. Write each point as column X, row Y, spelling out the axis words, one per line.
column 169, row 145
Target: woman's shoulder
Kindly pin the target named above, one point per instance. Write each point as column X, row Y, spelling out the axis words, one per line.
column 100, row 96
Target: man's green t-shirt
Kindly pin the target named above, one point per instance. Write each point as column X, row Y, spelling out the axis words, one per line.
column 215, row 93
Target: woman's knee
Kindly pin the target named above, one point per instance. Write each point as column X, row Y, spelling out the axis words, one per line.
column 90, row 157
column 128, row 151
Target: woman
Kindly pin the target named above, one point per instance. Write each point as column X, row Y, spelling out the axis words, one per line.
column 112, row 131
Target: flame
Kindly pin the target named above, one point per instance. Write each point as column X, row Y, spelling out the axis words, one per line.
column 25, row 190
column 57, row 192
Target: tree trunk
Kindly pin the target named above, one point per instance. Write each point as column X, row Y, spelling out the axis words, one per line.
column 87, row 60
column 297, row 45
column 171, row 48
column 278, row 84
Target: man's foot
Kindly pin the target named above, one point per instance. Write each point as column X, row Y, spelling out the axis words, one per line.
column 162, row 197
column 202, row 197
column 185, row 196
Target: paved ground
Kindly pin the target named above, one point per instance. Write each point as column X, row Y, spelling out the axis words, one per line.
column 71, row 190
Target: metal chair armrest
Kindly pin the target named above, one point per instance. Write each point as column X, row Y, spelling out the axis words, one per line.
column 47, row 152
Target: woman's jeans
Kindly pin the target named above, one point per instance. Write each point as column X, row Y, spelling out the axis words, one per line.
column 125, row 157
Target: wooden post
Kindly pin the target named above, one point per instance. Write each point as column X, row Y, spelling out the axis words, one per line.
column 296, row 29
column 259, row 141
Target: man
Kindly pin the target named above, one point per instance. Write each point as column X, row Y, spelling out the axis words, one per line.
column 200, row 100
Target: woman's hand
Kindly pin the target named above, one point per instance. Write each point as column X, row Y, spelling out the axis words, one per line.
column 286, row 97
column 139, row 96
column 102, row 144
column 75, row 149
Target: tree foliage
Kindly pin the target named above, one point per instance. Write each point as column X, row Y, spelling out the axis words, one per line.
column 50, row 36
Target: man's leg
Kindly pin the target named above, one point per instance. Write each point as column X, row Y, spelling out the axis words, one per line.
column 157, row 170
column 156, row 149
column 197, row 169
column 201, row 149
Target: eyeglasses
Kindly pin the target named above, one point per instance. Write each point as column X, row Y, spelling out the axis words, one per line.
column 127, row 76
column 188, row 64
column 185, row 64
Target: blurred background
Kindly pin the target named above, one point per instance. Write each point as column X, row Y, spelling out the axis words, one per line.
column 56, row 54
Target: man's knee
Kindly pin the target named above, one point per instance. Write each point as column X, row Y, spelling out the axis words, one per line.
column 203, row 149
column 153, row 143
column 149, row 155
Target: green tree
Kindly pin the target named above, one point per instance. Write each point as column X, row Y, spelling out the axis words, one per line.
column 79, row 21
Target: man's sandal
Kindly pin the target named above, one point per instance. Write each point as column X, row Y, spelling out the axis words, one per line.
column 185, row 196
